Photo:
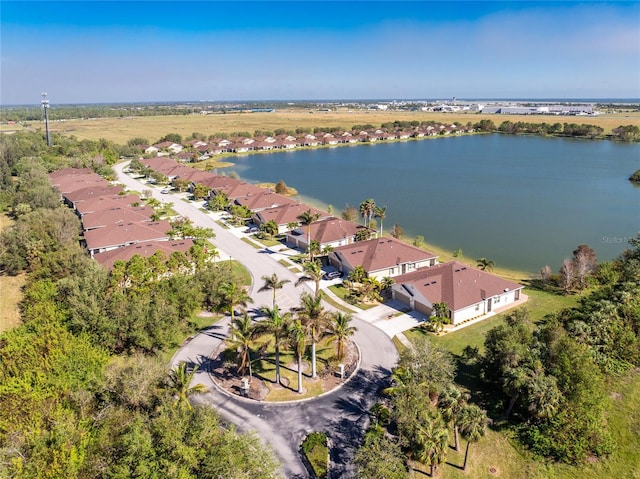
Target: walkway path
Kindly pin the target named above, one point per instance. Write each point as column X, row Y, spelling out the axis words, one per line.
column 342, row 414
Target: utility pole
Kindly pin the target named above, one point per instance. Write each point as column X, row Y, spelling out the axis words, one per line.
column 45, row 107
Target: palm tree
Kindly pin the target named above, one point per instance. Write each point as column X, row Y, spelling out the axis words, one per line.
column 314, row 249
column 180, row 380
column 367, row 207
column 314, row 319
column 298, row 342
column 339, row 331
column 274, row 283
column 306, row 218
column 472, row 424
column 485, row 264
column 440, row 316
column 450, row 403
column 242, row 332
column 276, row 324
column 380, row 212
column 233, row 295
column 312, row 272
column 544, row 396
column 432, row 438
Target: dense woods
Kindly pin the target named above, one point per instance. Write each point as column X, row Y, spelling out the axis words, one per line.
column 84, row 390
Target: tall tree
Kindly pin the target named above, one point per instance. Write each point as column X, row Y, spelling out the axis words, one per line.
column 242, row 333
column 567, row 275
column 180, row 383
column 381, row 213
column 367, row 207
column 339, row 331
column 234, row 295
column 472, row 424
column 450, row 403
column 276, row 324
column 432, row 439
column 273, row 283
column 314, row 319
column 312, row 272
column 297, row 339
column 306, row 219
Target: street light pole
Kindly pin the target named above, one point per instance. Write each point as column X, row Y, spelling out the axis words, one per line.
column 45, row 107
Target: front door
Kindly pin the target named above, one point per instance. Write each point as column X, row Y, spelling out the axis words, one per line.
column 489, row 305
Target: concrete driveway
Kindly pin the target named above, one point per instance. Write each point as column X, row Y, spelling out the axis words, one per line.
column 341, row 414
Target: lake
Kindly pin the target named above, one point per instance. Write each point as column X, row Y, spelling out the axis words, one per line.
column 521, row 201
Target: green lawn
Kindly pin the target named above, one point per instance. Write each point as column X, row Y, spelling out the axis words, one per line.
column 341, row 292
column 251, row 243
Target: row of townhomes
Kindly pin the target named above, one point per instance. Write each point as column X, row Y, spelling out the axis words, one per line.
column 420, row 280
column 201, row 150
column 116, row 225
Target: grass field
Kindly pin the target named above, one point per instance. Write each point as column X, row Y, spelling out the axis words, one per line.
column 120, row 130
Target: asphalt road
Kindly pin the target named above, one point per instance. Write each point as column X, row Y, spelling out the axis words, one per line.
column 341, row 414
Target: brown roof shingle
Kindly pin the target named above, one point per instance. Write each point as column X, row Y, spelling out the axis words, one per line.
column 381, row 253
column 456, row 284
column 144, row 249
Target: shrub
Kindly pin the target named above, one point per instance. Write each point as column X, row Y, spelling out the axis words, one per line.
column 316, row 451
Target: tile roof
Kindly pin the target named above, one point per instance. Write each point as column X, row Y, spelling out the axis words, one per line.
column 116, row 214
column 105, row 202
column 219, row 181
column 89, row 192
column 331, row 229
column 125, row 233
column 77, row 181
column 242, row 188
column 144, row 249
column 65, row 172
column 381, row 253
column 288, row 213
column 262, row 199
column 457, row 284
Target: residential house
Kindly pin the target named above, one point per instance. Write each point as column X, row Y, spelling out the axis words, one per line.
column 115, row 215
column 144, row 249
column 468, row 292
column 122, row 234
column 262, row 200
column 332, row 232
column 381, row 257
column 106, row 202
column 72, row 198
column 285, row 214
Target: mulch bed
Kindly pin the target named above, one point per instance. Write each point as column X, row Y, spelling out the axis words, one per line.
column 226, row 376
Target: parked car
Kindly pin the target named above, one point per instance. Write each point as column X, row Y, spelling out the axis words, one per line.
column 252, row 229
column 165, row 191
column 333, row 274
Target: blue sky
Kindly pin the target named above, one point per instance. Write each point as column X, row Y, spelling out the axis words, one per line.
column 86, row 52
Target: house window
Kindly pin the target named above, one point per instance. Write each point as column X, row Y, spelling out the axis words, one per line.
column 496, row 299
column 477, row 307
